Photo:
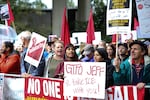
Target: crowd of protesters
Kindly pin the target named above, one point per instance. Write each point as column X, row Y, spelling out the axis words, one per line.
column 126, row 63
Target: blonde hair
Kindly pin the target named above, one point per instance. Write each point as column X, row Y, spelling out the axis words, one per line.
column 58, row 41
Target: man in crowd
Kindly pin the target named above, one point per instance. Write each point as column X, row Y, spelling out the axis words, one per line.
column 135, row 70
column 26, row 68
column 89, row 53
column 9, row 59
column 123, row 51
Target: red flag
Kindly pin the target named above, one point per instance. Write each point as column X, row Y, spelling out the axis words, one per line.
column 65, row 34
column 11, row 16
column 90, row 29
column 136, row 23
column 113, row 41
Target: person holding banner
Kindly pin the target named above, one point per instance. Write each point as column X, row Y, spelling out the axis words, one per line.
column 9, row 59
column 70, row 55
column 25, row 70
column 100, row 55
column 135, row 70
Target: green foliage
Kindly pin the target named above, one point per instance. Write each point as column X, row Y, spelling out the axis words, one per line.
column 25, row 7
column 70, row 4
column 100, row 18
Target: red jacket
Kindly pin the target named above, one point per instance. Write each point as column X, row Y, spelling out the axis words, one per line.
column 10, row 64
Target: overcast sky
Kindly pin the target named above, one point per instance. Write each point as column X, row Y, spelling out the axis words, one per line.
column 48, row 3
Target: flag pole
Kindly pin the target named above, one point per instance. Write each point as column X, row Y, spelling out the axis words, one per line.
column 6, row 23
column 13, row 24
column 117, row 45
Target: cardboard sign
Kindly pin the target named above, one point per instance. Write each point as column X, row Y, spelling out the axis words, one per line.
column 35, row 49
column 85, row 79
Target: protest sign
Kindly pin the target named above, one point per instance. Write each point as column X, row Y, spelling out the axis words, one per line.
column 119, row 16
column 143, row 10
column 35, row 49
column 85, row 79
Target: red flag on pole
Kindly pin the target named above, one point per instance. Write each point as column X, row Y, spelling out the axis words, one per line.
column 11, row 16
column 90, row 29
column 65, row 34
column 136, row 23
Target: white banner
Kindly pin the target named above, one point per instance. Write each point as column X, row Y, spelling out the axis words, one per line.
column 13, row 88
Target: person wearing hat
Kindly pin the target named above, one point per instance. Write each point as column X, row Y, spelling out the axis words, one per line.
column 135, row 70
column 88, row 53
column 123, row 51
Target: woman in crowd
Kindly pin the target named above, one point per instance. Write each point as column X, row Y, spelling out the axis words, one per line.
column 111, row 52
column 70, row 55
column 100, row 55
column 55, row 59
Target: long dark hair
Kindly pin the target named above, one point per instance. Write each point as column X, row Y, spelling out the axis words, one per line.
column 75, row 58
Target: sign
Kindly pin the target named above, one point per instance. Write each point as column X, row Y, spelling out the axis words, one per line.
column 80, row 37
column 119, row 16
column 132, row 35
column 4, row 12
column 43, row 89
column 85, row 79
column 35, row 49
column 143, row 11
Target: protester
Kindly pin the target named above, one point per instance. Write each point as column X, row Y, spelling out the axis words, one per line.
column 100, row 55
column 135, row 70
column 70, row 55
column 55, row 59
column 102, row 44
column 123, row 51
column 26, row 68
column 111, row 52
column 88, row 53
column 9, row 59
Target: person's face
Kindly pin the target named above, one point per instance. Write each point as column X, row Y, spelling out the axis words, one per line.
column 70, row 52
column 97, row 57
column 109, row 50
column 59, row 49
column 136, row 51
column 3, row 48
column 122, row 50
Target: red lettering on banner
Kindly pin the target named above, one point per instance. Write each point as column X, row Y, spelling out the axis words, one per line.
column 34, row 86
column 74, row 69
column 95, row 70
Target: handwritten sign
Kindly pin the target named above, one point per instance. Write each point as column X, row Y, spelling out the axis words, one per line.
column 119, row 17
column 85, row 79
column 35, row 49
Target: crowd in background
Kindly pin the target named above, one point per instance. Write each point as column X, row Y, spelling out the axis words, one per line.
column 126, row 63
